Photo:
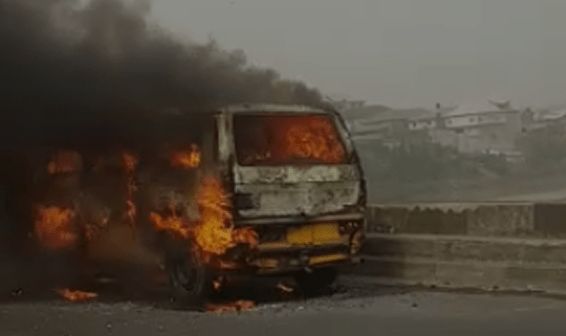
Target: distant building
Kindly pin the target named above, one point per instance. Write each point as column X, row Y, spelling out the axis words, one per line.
column 425, row 123
column 544, row 118
column 491, row 128
column 487, row 128
column 430, row 120
column 390, row 127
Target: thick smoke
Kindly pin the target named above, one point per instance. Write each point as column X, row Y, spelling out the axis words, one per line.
column 64, row 63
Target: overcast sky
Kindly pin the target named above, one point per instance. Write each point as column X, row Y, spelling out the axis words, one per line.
column 396, row 52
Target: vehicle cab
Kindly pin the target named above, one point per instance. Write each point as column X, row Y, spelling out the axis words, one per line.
column 296, row 179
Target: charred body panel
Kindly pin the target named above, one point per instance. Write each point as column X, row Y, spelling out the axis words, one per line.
column 292, row 191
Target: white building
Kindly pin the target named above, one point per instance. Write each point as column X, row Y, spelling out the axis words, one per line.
column 484, row 128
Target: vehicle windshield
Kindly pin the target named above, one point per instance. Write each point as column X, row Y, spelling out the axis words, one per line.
column 288, row 139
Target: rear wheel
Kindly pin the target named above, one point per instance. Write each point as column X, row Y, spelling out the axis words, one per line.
column 317, row 281
column 190, row 280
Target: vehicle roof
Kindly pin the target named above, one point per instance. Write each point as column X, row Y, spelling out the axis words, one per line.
column 271, row 108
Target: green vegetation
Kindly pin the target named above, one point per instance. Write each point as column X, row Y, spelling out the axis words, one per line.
column 545, row 148
column 425, row 161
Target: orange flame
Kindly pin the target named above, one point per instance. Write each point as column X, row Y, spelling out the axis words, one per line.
column 186, row 159
column 76, row 295
column 64, row 162
column 215, row 233
column 287, row 139
column 245, row 235
column 171, row 224
column 130, row 163
column 54, row 228
column 241, row 305
column 313, row 138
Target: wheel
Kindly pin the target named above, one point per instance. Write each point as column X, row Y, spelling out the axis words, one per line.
column 190, row 280
column 316, row 282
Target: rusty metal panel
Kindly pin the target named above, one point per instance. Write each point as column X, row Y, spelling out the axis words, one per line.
column 310, row 199
column 295, row 174
column 292, row 190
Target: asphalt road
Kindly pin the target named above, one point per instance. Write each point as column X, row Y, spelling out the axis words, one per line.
column 356, row 308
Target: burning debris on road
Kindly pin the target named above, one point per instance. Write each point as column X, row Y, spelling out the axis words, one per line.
column 76, row 295
column 237, row 306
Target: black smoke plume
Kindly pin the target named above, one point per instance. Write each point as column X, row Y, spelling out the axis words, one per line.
column 66, row 66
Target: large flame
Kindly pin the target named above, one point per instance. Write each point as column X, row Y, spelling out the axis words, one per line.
column 215, row 233
column 186, row 159
column 275, row 140
column 54, row 228
column 313, row 138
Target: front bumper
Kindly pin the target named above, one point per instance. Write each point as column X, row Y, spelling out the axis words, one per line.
column 283, row 248
column 299, row 258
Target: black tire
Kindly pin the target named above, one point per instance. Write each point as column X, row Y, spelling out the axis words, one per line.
column 316, row 282
column 190, row 281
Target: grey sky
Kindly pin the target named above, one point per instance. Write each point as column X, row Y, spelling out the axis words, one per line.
column 395, row 52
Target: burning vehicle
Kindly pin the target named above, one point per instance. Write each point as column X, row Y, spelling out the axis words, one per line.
column 248, row 189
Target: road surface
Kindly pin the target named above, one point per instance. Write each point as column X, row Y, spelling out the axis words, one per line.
column 356, row 308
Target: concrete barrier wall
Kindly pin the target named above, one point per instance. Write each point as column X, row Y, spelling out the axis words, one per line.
column 453, row 219
column 514, row 246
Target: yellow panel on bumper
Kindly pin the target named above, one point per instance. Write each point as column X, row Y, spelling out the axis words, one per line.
column 315, row 234
column 324, row 259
